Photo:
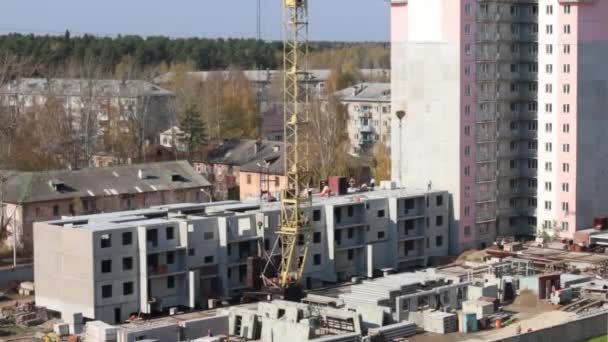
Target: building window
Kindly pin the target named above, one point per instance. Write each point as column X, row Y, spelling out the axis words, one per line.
column 106, row 241
column 467, row 171
column 170, row 258
column 191, row 252
column 350, row 254
column 565, row 206
column 170, row 282
column 467, row 211
column 277, row 181
column 439, row 241
column 169, row 232
column 549, row 107
column 547, row 205
column 467, row 150
column 316, row 259
column 566, row 89
column 549, row 49
column 127, row 238
column 567, row 49
column 248, row 179
column 380, row 213
column 209, row 259
column 316, row 237
column 439, row 221
column 106, row 266
column 548, row 147
column 566, row 108
column 549, row 68
column 567, row 68
column 566, row 148
column 567, row 29
column 467, row 130
column 208, row 236
column 439, row 200
column 106, row 291
column 127, row 263
column 381, row 235
column 548, row 166
column 548, row 186
column 566, row 167
column 467, row 231
column 548, row 88
column 55, row 210
column 549, row 9
column 316, row 215
column 549, row 29
column 350, row 211
column 350, row 233
column 467, row 90
column 127, row 288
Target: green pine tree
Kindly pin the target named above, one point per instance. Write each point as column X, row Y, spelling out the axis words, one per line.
column 193, row 128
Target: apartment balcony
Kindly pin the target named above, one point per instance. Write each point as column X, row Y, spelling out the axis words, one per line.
column 485, row 216
column 411, row 214
column 485, row 136
column 485, row 195
column 523, row 191
column 485, row 177
column 518, row 211
column 517, row 134
column 505, row 75
column 519, row 153
column 485, row 117
column 518, row 172
column 487, row 156
column 518, row 115
column 365, row 128
column 507, row 17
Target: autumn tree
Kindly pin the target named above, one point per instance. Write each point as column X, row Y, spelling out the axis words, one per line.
column 381, row 162
column 328, row 136
column 193, row 128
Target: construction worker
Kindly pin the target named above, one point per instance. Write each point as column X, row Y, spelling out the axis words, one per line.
column 372, row 184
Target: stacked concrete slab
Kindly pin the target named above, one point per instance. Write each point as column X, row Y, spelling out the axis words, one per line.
column 440, row 322
column 384, row 291
column 394, row 331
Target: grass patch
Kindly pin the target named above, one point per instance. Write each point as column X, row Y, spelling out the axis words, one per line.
column 599, row 339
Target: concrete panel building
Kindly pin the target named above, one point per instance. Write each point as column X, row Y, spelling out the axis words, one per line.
column 147, row 261
column 464, row 73
column 573, row 159
column 369, row 115
column 503, row 104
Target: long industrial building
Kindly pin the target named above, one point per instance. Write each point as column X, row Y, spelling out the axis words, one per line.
column 501, row 105
column 109, row 266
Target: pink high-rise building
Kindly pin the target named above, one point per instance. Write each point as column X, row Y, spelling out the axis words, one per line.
column 465, row 72
column 573, row 116
column 505, row 106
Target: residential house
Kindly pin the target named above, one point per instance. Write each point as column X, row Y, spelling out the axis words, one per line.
column 49, row 195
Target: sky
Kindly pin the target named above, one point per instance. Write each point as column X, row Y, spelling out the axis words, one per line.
column 350, row 20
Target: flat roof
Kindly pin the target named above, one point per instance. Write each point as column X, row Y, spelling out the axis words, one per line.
column 169, row 213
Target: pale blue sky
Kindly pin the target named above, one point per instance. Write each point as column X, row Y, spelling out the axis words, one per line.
column 330, row 19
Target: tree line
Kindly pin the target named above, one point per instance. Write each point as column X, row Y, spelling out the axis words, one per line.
column 51, row 53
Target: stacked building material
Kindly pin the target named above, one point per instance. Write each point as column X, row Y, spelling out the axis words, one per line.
column 99, row 331
column 394, row 331
column 384, row 291
column 352, row 337
column 440, row 322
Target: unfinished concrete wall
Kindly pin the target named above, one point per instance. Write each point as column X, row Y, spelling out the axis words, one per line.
column 164, row 333
column 198, row 328
column 63, row 269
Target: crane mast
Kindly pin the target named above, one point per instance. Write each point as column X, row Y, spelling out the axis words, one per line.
column 295, row 231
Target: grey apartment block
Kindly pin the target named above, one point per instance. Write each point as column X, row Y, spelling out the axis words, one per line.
column 506, row 117
column 108, row 266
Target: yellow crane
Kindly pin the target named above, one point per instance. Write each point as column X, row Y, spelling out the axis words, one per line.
column 294, row 234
